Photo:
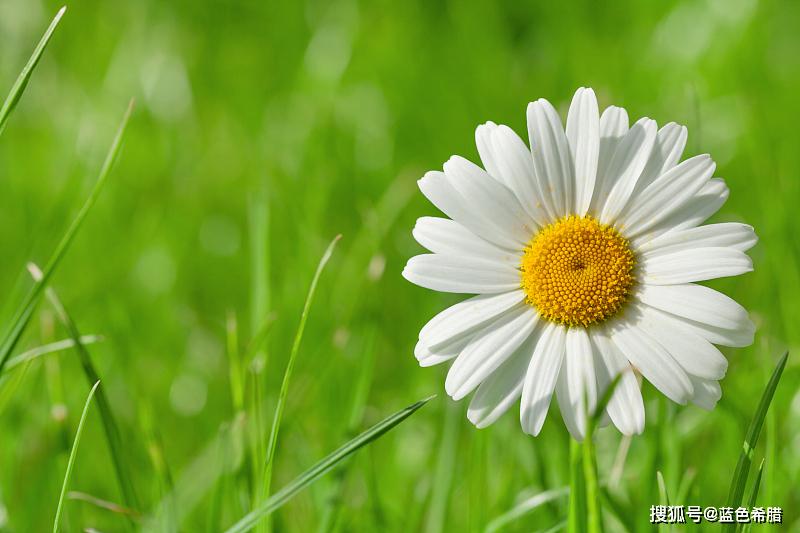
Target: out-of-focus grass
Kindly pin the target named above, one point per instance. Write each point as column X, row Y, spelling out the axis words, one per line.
column 322, row 115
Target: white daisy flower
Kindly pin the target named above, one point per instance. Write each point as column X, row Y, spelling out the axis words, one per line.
column 583, row 253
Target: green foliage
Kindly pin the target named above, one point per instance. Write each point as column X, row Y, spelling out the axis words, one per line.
column 264, row 128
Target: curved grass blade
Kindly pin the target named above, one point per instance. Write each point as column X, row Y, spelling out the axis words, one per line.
column 22, row 80
column 25, row 310
column 106, row 415
column 663, row 497
column 525, row 507
column 53, row 347
column 323, row 467
column 287, row 375
column 750, row 441
column 72, row 455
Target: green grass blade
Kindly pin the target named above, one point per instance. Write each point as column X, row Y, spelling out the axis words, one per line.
column 525, row 507
column 287, row 375
column 72, row 454
column 594, row 519
column 618, row 509
column 585, row 499
column 23, row 314
column 577, row 489
column 445, row 468
column 110, row 426
column 663, row 497
column 751, row 500
column 750, row 441
column 322, row 467
column 46, row 349
column 331, row 513
column 22, row 80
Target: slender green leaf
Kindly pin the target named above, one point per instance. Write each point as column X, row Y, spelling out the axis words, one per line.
column 23, row 314
column 331, row 513
column 323, row 467
column 558, row 527
column 103, row 405
column 594, row 518
column 445, row 468
column 577, row 489
column 22, row 80
column 585, row 499
column 750, row 441
column 52, row 347
column 618, row 509
column 71, row 462
column 287, row 375
column 751, row 500
column 663, row 497
column 525, row 507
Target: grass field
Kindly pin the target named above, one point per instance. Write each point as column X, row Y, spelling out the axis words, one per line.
column 261, row 131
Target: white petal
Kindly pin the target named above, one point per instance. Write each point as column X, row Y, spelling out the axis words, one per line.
column 541, row 376
column 706, row 393
column 448, row 237
column 652, row 360
column 426, row 357
column 724, row 337
column 729, row 234
column 692, row 213
column 700, row 304
column 465, row 318
column 483, row 140
column 576, row 389
column 491, row 198
column 670, row 142
column 626, row 166
column 626, row 407
column 436, row 188
column 492, row 346
column 708, row 202
column 465, row 275
column 583, row 134
column 613, row 127
column 504, row 387
column 551, row 157
column 696, row 264
column 515, row 166
column 667, row 194
column 695, row 354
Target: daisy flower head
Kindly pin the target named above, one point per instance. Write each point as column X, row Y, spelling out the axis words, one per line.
column 583, row 251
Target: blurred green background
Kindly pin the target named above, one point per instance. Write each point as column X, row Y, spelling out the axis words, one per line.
column 263, row 129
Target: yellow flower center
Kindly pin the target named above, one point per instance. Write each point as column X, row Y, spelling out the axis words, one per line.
column 577, row 271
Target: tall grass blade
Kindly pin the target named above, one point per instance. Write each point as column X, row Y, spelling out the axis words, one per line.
column 23, row 314
column 577, row 489
column 445, row 468
column 751, row 500
column 323, row 467
column 585, row 499
column 287, row 375
column 663, row 497
column 110, row 426
column 331, row 514
column 22, row 80
column 525, row 507
column 72, row 454
column 750, row 441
